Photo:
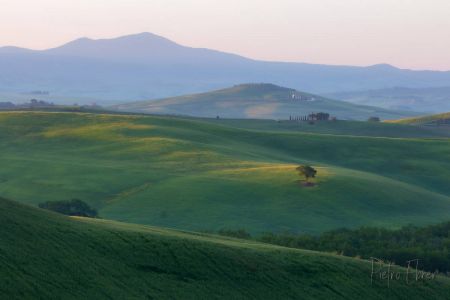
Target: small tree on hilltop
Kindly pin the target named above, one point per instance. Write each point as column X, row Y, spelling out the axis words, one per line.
column 307, row 172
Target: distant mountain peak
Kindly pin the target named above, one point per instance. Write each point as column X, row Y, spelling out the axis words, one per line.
column 142, row 48
column 82, row 39
column 383, row 67
column 140, row 36
column 143, row 36
column 144, row 39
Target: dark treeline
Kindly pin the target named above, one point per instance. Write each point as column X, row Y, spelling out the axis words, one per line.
column 429, row 244
column 74, row 207
column 32, row 104
column 321, row 116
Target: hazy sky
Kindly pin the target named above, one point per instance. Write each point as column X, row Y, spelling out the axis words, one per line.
column 406, row 33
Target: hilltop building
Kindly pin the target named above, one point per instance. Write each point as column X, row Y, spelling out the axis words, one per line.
column 300, row 97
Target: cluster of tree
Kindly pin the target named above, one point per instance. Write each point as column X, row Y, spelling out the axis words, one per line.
column 74, row 207
column 32, row 104
column 320, row 116
column 430, row 245
column 239, row 233
column 38, row 103
column 7, row 105
column 37, row 92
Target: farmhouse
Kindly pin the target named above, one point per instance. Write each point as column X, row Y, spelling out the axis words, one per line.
column 300, row 97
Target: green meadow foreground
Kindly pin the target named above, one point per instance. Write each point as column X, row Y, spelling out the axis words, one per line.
column 204, row 175
column 48, row 256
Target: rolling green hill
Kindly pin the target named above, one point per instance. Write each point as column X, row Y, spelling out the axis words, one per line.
column 48, row 256
column 263, row 101
column 200, row 175
column 433, row 120
column 356, row 128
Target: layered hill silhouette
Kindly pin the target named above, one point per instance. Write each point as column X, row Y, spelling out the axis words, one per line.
column 263, row 101
column 145, row 48
column 147, row 66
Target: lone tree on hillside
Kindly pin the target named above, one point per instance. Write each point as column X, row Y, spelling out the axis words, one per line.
column 307, row 172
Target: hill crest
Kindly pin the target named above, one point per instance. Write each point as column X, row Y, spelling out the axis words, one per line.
column 256, row 100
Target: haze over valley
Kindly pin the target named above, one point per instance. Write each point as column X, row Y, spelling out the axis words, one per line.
column 295, row 161
column 146, row 66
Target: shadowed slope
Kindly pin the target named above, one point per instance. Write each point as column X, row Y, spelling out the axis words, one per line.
column 44, row 255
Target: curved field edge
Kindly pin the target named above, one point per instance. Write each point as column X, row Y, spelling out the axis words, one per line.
column 191, row 174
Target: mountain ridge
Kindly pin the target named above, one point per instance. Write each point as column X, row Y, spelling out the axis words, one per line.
column 136, row 47
column 148, row 36
column 146, row 66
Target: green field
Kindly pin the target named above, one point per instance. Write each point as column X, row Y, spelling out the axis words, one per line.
column 263, row 101
column 423, row 120
column 357, row 128
column 48, row 256
column 204, row 175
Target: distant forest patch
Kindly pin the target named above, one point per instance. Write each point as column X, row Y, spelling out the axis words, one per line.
column 74, row 207
column 430, row 244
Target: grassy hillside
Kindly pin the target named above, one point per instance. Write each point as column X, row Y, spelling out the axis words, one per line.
column 265, row 101
column 49, row 256
column 195, row 174
column 437, row 119
column 356, row 128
